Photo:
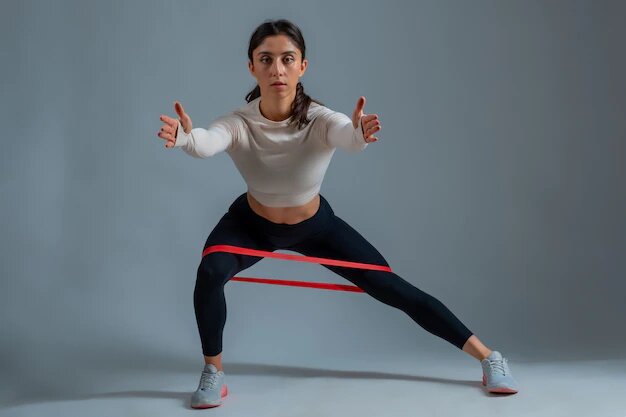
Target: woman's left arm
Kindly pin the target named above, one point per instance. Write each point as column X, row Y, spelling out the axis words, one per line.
column 353, row 135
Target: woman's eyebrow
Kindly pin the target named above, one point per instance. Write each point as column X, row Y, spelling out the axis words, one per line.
column 269, row 53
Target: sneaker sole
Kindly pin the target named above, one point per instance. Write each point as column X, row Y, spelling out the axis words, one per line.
column 203, row 406
column 499, row 390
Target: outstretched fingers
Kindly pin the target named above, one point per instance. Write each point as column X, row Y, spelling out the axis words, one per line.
column 371, row 125
column 169, row 120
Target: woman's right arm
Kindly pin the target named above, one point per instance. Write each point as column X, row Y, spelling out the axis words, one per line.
column 203, row 143
column 198, row 142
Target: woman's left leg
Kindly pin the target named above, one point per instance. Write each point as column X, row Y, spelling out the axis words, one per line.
column 340, row 241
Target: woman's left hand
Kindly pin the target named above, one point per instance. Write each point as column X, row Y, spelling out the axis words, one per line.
column 369, row 122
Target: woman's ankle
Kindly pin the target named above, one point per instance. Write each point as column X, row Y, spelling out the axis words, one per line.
column 214, row 360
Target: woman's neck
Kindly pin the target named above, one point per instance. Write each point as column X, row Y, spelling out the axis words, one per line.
column 276, row 109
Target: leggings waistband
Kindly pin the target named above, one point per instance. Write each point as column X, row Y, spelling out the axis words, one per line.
column 241, row 208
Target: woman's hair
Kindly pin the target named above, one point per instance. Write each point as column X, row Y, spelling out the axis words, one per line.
column 300, row 105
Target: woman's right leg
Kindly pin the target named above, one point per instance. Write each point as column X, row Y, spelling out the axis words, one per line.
column 214, row 271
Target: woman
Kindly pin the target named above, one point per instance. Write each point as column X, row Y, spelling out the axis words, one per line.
column 282, row 142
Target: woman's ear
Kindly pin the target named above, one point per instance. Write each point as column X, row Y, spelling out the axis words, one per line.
column 303, row 66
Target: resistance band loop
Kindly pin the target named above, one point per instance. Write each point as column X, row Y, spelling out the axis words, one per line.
column 297, row 258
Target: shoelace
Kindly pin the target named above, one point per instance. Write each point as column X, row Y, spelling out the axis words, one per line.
column 208, row 380
column 498, row 365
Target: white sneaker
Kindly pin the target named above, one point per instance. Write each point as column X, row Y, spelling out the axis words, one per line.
column 211, row 388
column 497, row 375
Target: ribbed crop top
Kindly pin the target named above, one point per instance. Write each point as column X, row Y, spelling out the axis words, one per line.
column 281, row 165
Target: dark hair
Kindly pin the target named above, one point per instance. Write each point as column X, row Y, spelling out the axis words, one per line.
column 302, row 101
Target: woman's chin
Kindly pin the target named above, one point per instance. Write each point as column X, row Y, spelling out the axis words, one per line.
column 282, row 92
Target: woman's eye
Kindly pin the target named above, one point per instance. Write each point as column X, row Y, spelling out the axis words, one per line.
column 289, row 59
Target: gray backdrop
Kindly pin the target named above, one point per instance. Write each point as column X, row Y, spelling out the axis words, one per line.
column 497, row 185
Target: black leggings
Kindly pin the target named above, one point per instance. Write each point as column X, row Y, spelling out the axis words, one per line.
column 325, row 236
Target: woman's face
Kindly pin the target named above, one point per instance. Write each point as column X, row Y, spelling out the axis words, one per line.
column 277, row 59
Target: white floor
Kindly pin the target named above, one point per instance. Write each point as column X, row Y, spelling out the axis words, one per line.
column 353, row 387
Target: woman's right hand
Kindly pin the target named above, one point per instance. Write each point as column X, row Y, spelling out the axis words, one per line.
column 170, row 126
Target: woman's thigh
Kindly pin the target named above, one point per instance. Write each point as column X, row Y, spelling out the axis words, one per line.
column 231, row 230
column 342, row 242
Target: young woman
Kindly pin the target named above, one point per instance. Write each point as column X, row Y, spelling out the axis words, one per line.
column 282, row 142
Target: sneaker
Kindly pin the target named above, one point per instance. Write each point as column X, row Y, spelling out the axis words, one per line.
column 496, row 374
column 211, row 388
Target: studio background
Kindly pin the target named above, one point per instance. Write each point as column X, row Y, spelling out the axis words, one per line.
column 497, row 185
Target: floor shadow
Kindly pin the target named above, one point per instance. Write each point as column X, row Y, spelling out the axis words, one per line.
column 306, row 372
column 243, row 369
column 182, row 396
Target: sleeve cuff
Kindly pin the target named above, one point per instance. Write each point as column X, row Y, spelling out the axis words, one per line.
column 182, row 138
column 360, row 137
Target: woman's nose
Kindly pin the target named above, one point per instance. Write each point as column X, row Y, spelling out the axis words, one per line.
column 277, row 68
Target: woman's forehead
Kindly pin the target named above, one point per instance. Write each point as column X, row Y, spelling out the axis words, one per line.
column 277, row 45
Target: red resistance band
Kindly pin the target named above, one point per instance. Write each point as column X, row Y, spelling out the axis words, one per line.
column 297, row 258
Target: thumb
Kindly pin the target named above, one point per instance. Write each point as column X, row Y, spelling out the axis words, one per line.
column 185, row 120
column 358, row 111
column 179, row 109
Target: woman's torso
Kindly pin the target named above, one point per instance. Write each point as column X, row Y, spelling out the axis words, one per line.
column 288, row 215
column 283, row 166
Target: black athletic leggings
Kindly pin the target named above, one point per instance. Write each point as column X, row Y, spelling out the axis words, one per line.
column 325, row 236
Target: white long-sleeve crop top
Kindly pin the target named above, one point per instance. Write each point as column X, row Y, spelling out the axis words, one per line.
column 281, row 165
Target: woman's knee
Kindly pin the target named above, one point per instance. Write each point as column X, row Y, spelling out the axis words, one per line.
column 216, row 269
column 378, row 284
column 393, row 290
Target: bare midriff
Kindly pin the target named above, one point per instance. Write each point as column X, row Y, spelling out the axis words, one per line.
column 285, row 215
